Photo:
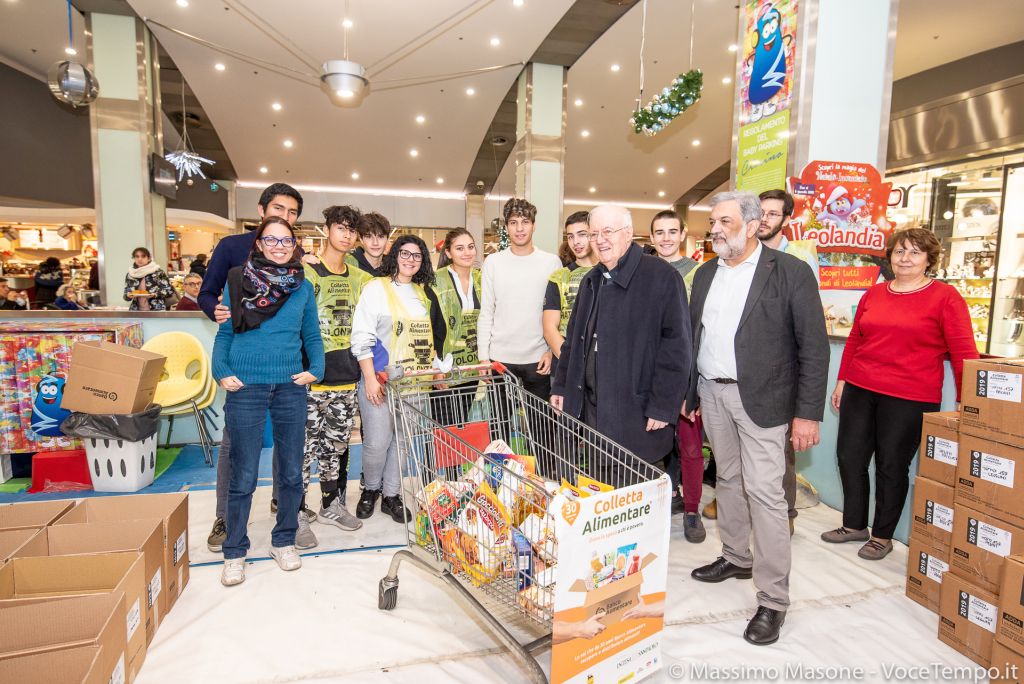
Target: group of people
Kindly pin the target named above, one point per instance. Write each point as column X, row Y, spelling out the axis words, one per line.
column 51, row 292
column 734, row 349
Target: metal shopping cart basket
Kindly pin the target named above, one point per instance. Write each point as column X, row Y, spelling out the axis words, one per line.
column 480, row 519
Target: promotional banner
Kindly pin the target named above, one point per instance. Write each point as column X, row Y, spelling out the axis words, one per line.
column 766, row 92
column 841, row 207
column 609, row 604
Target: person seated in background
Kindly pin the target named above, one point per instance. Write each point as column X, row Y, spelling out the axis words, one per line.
column 48, row 279
column 198, row 266
column 11, row 300
column 67, row 298
column 190, row 293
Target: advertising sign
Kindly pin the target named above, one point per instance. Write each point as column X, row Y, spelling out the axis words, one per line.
column 766, row 93
column 609, row 603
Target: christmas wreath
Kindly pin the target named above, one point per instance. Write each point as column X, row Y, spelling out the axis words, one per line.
column 669, row 103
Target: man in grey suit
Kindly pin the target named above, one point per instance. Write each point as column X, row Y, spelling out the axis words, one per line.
column 760, row 369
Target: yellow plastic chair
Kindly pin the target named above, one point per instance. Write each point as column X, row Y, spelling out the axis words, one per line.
column 201, row 407
column 186, row 382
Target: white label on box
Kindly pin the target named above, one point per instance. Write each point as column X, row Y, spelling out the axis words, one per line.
column 1000, row 385
column 982, row 613
column 943, row 450
column 179, row 548
column 989, row 537
column 117, row 677
column 181, row 574
column 942, row 517
column 935, row 568
column 155, row 585
column 134, row 618
column 994, row 468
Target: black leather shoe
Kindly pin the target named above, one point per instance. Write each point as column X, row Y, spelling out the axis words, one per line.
column 764, row 627
column 677, row 505
column 364, row 509
column 392, row 505
column 721, row 570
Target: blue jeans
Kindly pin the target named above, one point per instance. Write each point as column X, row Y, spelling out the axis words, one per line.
column 246, row 414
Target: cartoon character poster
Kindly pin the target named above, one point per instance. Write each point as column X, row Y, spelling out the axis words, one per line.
column 766, row 79
column 47, row 415
column 841, row 207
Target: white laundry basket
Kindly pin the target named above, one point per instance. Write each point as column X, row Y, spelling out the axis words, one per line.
column 117, row 465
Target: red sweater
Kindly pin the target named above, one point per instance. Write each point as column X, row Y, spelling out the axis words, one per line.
column 900, row 339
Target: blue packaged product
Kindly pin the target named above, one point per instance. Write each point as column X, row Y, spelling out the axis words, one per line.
column 524, row 559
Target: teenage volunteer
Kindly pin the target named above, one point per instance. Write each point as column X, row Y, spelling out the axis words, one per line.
column 564, row 284
column 458, row 291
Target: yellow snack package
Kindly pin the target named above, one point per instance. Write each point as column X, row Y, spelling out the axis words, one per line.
column 572, row 492
column 592, row 486
column 484, row 525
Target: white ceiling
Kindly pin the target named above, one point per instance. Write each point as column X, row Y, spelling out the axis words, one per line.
column 374, row 140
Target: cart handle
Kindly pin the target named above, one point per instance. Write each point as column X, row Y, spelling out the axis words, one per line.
column 399, row 373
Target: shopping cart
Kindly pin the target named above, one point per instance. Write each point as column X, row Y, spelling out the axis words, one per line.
column 472, row 510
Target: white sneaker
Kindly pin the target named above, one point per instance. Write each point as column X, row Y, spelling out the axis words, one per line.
column 233, row 572
column 286, row 556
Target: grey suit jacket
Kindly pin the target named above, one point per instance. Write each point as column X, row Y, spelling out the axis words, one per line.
column 781, row 345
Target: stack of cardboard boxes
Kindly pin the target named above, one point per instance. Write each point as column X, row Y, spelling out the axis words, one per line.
column 84, row 585
column 968, row 517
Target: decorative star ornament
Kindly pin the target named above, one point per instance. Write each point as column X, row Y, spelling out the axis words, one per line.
column 188, row 163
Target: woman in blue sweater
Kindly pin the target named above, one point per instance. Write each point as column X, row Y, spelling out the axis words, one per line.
column 257, row 359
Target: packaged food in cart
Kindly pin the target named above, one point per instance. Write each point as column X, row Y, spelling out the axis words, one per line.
column 592, row 486
column 438, row 500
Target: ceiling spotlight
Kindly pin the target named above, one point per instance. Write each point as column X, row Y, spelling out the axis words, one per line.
column 219, row 66
column 420, row 119
column 414, row 152
column 661, row 169
column 181, row 226
column 182, row 3
column 517, row 3
column 440, row 180
column 696, row 143
column 734, row 47
column 288, row 144
column 495, row 42
column 263, row 169
column 70, row 51
column 585, row 133
column 344, row 82
column 346, row 22
column 355, row 175
column 276, row 106
column 578, row 102
column 593, row 189
column 615, row 67
column 726, row 80
column 470, row 91
column 661, row 193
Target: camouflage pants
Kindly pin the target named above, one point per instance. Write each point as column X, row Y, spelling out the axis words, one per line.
column 329, row 418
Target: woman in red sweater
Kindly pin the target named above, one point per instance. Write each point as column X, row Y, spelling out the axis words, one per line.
column 891, row 374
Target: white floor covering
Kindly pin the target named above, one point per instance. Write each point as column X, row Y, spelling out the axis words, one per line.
column 322, row 624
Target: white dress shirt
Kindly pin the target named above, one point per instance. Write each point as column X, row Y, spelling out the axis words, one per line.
column 721, row 317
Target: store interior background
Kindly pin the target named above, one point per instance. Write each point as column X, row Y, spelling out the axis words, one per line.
column 957, row 71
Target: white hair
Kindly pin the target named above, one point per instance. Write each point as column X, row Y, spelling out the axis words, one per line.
column 627, row 218
column 749, row 203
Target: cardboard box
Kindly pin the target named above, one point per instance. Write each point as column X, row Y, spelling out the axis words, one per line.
column 615, row 598
column 940, row 433
column 967, row 618
column 1011, row 604
column 990, row 478
column 33, row 580
column 45, row 628
column 171, row 508
column 1007, row 665
column 926, row 566
column 110, row 378
column 20, row 516
column 979, row 545
column 12, row 540
column 991, row 404
column 932, row 512
column 75, row 664
column 143, row 536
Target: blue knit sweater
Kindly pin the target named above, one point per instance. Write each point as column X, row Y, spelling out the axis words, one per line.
column 272, row 353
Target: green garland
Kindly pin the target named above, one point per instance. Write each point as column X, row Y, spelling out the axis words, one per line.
column 670, row 103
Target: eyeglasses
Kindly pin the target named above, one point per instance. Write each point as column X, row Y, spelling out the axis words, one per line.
column 193, row 283
column 411, row 256
column 603, row 234
column 271, row 241
column 914, row 253
column 771, row 214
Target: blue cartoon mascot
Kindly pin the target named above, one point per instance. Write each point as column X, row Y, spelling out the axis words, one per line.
column 47, row 415
column 768, row 63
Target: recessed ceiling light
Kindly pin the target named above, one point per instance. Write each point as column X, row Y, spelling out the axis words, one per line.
column 517, row 3
column 470, row 91
column 263, row 169
column 276, row 106
column 593, row 189
column 578, row 102
column 288, row 143
column 615, row 67
column 661, row 193
column 661, row 169
column 495, row 42
column 734, row 47
column 440, row 180
column 355, row 175
column 181, row 226
column 70, row 51
column 726, row 80
column 585, row 133
column 696, row 143
column 346, row 22
column 414, row 152
column 182, row 3
column 420, row 119
column 219, row 66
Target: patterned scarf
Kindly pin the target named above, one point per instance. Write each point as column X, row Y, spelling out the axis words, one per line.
column 264, row 288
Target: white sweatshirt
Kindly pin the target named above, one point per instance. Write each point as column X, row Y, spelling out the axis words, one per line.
column 372, row 319
column 512, row 305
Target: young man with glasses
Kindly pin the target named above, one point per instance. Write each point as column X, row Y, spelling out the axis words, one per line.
column 331, row 403
column 190, row 293
column 565, row 283
column 509, row 329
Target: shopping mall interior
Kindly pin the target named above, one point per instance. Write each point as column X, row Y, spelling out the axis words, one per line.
column 157, row 124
